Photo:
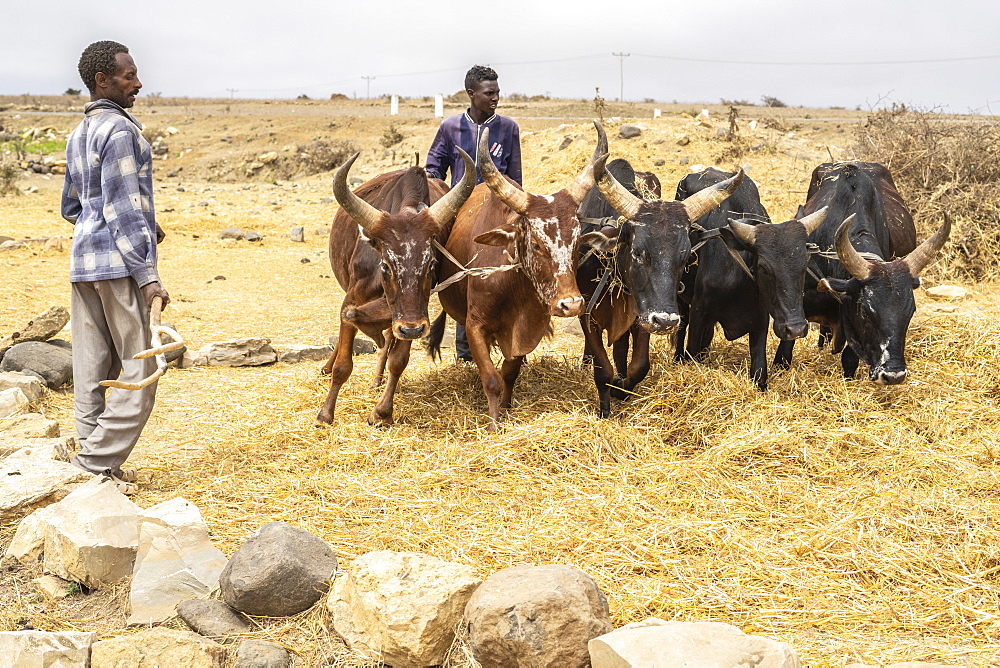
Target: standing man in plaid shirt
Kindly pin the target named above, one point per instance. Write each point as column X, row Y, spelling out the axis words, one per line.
column 108, row 196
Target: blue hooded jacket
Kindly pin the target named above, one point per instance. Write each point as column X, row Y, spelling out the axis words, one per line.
column 461, row 131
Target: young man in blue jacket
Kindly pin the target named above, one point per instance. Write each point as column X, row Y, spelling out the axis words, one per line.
column 463, row 131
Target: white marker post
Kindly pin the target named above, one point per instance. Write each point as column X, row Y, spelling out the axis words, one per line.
column 657, row 113
column 394, row 105
column 439, row 106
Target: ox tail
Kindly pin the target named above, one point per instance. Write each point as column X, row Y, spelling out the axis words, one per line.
column 435, row 336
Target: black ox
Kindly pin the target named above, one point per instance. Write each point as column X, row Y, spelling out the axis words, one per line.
column 865, row 296
column 747, row 272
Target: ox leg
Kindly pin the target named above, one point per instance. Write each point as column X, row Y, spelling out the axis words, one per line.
column 341, row 364
column 701, row 329
column 620, row 350
column 849, row 362
column 492, row 382
column 679, row 336
column 783, row 355
column 638, row 368
column 398, row 357
column 825, row 336
column 383, row 355
column 758, row 357
column 603, row 371
column 510, row 370
column 588, row 355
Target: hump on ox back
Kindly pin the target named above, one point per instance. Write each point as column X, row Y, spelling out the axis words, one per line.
column 510, row 309
column 645, row 254
column 747, row 271
column 382, row 253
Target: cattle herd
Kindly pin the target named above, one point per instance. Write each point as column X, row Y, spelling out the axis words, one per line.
column 608, row 250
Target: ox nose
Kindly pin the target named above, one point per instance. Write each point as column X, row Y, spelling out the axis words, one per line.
column 660, row 323
column 789, row 331
column 410, row 332
column 568, row 307
column 884, row 377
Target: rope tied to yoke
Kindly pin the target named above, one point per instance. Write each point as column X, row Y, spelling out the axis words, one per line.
column 481, row 272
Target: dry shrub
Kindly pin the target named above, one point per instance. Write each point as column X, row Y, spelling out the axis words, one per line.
column 316, row 157
column 9, row 174
column 944, row 165
column 391, row 136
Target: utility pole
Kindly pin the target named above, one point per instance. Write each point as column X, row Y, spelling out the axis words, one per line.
column 621, row 73
column 368, row 80
column 232, row 91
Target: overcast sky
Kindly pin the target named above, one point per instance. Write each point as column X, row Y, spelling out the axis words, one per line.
column 280, row 49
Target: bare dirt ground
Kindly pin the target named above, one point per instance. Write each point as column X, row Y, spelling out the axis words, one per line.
column 857, row 524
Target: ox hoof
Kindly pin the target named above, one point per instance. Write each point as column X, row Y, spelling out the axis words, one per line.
column 379, row 422
column 321, row 425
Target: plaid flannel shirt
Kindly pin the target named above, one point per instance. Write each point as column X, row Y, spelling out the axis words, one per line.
column 108, row 196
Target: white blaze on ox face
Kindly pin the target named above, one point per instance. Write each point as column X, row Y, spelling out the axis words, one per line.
column 560, row 245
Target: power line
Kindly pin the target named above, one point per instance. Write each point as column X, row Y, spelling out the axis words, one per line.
column 368, row 81
column 921, row 61
column 621, row 73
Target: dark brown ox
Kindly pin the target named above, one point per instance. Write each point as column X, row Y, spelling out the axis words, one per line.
column 865, row 297
column 498, row 225
column 651, row 247
column 381, row 250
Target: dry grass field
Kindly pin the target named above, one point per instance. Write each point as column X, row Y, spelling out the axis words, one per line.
column 858, row 524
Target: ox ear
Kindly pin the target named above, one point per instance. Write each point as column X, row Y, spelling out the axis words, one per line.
column 498, row 236
column 838, row 286
column 603, row 239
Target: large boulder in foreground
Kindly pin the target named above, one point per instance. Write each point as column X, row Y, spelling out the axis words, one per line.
column 281, row 570
column 29, row 425
column 176, row 561
column 159, row 646
column 42, row 648
column 656, row 643
column 53, row 363
column 536, row 616
column 92, row 535
column 401, row 607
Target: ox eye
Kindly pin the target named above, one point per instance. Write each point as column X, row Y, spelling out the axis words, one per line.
column 535, row 247
column 385, row 268
column 639, row 256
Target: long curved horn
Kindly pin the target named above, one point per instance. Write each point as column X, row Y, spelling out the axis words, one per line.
column 747, row 233
column 620, row 199
column 814, row 220
column 363, row 213
column 585, row 181
column 513, row 197
column 858, row 267
column 703, row 201
column 921, row 256
column 445, row 208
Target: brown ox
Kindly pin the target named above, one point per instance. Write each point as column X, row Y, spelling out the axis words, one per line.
column 511, row 309
column 381, row 250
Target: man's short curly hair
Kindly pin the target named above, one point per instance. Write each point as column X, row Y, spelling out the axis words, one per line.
column 477, row 74
column 99, row 57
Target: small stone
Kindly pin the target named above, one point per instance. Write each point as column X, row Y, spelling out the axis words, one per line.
column 684, row 160
column 684, row 141
column 33, row 388
column 305, row 260
column 297, row 233
column 323, row 232
column 570, row 326
column 655, row 643
column 53, row 587
column 212, row 618
column 629, row 131
column 281, row 570
column 948, row 292
column 659, row 162
column 192, row 358
column 355, row 180
column 253, row 236
column 566, row 141
column 364, row 346
column 722, row 132
column 43, row 648
column 239, row 352
column 158, row 646
column 268, row 158
column 12, row 401
column 262, row 654
column 232, row 233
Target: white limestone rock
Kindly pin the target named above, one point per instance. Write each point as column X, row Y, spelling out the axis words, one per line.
column 292, row 353
column 43, row 648
column 401, row 607
column 192, row 358
column 40, row 328
column 29, row 425
column 656, row 643
column 30, row 483
column 32, row 386
column 948, row 292
column 29, row 539
column 60, row 449
column 92, row 536
column 240, row 352
column 176, row 561
column 12, row 402
column 159, row 646
column 53, row 587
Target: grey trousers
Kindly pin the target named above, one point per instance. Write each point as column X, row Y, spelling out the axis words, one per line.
column 110, row 324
